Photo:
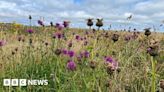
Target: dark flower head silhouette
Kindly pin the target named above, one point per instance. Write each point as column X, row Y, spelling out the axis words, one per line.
column 30, row 17
column 115, row 37
column 40, row 23
column 51, row 23
column 99, row 23
column 58, row 35
column 89, row 22
column 59, row 26
column 147, row 31
column 66, row 24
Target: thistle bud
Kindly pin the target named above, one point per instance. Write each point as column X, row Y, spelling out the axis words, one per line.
column 30, row 17
column 92, row 64
column 51, row 23
column 58, row 52
column 147, row 31
column 99, row 23
column 153, row 51
column 115, row 37
column 90, row 22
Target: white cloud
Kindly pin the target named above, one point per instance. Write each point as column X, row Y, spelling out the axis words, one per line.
column 150, row 7
column 127, row 14
column 4, row 5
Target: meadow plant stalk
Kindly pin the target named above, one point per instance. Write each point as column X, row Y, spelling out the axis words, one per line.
column 153, row 81
column 95, row 41
column 30, row 23
column 92, row 49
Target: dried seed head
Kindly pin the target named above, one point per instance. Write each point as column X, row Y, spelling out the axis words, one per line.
column 51, row 23
column 115, row 37
column 99, row 23
column 46, row 43
column 70, row 44
column 13, row 53
column 110, row 70
column 58, row 52
column 118, row 70
column 30, row 41
column 153, row 51
column 16, row 49
column 93, row 64
column 30, row 17
column 79, row 60
column 19, row 38
column 147, row 31
column 90, row 22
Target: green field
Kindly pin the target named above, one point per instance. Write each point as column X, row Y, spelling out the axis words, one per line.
column 39, row 55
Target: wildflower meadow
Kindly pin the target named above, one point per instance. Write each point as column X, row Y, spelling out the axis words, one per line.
column 81, row 60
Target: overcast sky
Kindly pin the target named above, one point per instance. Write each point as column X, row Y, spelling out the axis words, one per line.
column 146, row 13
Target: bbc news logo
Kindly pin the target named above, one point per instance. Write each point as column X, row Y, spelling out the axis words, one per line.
column 23, row 82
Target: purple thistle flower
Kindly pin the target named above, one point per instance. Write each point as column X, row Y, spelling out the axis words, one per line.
column 59, row 26
column 149, row 50
column 153, row 50
column 30, row 31
column 71, row 65
column 71, row 53
column 40, row 22
column 77, row 37
column 112, row 62
column 2, row 43
column 64, row 51
column 109, row 59
column 65, row 24
column 115, row 65
column 86, row 54
column 58, row 35
column 127, row 38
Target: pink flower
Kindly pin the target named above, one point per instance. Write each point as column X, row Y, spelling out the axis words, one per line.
column 112, row 62
column 2, row 43
column 71, row 65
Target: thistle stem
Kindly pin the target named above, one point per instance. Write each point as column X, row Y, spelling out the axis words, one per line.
column 153, row 75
